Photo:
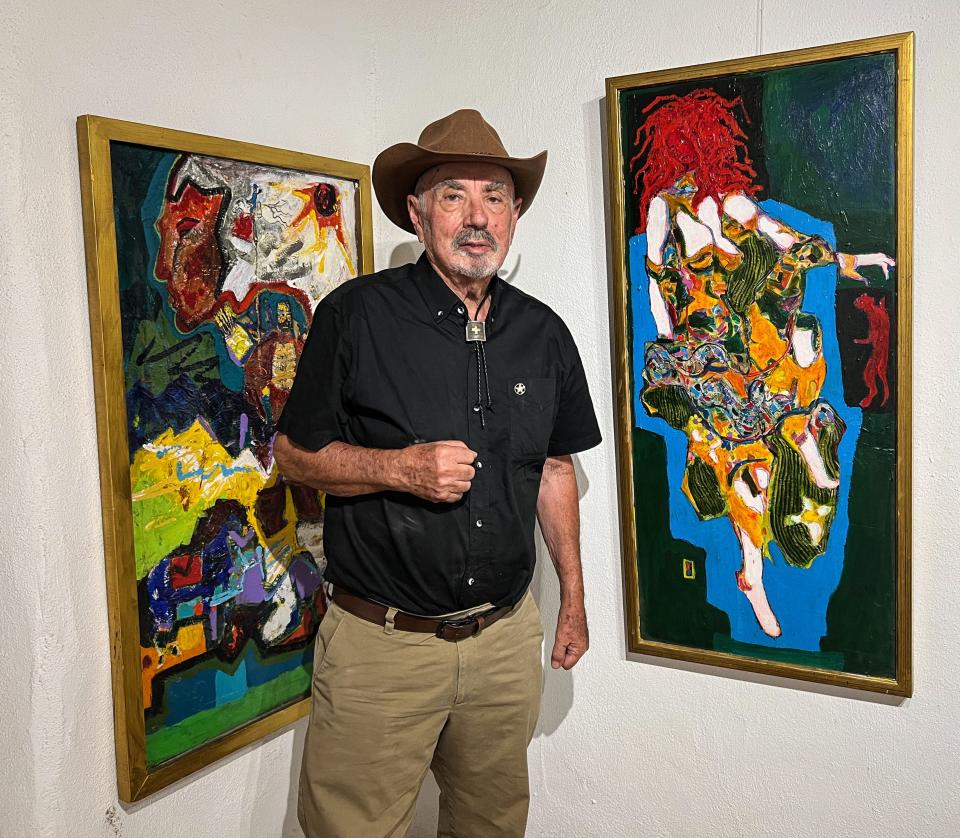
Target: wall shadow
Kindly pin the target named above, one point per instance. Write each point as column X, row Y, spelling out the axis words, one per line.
column 291, row 825
column 557, row 699
column 405, row 253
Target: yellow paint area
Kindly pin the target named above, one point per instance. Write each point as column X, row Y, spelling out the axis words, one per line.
column 812, row 516
column 706, row 446
column 188, row 643
column 176, row 478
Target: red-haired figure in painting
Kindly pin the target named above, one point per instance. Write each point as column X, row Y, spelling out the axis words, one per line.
column 737, row 365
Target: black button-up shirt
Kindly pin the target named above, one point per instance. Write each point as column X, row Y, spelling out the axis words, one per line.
column 386, row 365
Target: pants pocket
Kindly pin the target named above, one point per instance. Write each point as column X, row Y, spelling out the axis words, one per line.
column 330, row 628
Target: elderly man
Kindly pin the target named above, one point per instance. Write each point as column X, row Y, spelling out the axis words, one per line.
column 437, row 406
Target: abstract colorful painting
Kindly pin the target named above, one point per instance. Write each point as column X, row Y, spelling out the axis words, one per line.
column 762, row 246
column 208, row 259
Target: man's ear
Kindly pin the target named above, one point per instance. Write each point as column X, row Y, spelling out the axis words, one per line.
column 413, row 207
column 516, row 215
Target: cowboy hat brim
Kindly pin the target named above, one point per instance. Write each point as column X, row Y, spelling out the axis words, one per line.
column 396, row 170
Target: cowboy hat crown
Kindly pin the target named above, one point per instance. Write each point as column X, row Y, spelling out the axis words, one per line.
column 462, row 137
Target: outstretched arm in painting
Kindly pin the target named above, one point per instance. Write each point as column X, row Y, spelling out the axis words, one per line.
column 747, row 213
column 849, row 264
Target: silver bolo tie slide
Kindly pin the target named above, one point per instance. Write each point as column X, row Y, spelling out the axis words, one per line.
column 476, row 331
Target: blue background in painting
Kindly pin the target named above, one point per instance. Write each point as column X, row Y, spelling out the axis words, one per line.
column 798, row 597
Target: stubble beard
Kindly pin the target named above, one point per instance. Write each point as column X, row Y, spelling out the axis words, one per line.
column 468, row 265
column 476, row 265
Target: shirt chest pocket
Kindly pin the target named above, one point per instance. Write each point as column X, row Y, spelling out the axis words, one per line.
column 532, row 406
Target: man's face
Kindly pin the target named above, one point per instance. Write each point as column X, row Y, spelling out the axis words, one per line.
column 465, row 216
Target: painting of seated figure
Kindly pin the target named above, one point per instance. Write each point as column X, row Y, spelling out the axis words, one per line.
column 762, row 250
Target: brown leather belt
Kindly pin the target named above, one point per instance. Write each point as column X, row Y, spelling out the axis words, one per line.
column 453, row 630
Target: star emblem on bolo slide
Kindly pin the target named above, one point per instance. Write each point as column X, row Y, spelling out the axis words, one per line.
column 520, row 388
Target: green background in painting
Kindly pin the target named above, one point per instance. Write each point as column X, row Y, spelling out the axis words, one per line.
column 850, row 182
column 822, row 138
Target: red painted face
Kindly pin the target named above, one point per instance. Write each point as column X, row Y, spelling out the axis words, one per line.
column 189, row 259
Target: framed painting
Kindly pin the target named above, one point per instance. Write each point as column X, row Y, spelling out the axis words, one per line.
column 761, row 214
column 205, row 261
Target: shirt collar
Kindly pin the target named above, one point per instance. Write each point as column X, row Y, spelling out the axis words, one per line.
column 440, row 300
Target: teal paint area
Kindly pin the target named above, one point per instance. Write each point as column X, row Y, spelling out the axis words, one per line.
column 214, row 682
column 819, row 660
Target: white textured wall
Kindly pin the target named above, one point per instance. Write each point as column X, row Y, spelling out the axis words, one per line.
column 625, row 748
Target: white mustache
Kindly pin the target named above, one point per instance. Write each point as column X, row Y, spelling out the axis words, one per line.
column 472, row 236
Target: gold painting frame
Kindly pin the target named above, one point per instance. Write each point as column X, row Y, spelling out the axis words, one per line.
column 95, row 134
column 901, row 46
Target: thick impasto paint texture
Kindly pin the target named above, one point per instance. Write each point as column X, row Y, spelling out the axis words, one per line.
column 762, row 299
column 221, row 265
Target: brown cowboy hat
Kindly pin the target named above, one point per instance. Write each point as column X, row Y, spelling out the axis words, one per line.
column 462, row 137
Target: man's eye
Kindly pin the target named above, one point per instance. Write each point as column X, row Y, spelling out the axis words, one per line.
column 452, row 197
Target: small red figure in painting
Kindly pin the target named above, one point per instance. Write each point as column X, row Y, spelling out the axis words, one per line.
column 878, row 337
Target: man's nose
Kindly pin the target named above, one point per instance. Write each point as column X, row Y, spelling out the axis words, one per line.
column 476, row 213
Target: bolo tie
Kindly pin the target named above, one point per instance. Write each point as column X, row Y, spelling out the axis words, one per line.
column 476, row 333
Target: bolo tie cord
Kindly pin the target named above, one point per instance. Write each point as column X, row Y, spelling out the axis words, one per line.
column 483, row 385
column 483, row 381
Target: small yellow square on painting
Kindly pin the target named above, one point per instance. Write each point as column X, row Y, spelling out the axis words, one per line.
column 689, row 569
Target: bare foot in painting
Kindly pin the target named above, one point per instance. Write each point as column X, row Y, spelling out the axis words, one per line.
column 750, row 581
column 811, row 456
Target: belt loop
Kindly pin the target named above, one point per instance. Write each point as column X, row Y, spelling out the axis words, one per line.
column 388, row 627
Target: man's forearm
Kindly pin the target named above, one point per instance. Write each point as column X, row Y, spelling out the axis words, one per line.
column 558, row 510
column 339, row 468
column 435, row 471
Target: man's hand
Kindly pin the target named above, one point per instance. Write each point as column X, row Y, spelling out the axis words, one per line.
column 573, row 639
column 437, row 471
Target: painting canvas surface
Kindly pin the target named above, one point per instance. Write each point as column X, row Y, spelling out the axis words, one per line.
column 221, row 264
column 760, row 240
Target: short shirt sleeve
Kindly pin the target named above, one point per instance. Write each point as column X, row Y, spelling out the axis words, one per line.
column 576, row 427
column 314, row 415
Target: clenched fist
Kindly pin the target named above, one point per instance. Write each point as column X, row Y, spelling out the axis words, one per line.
column 437, row 471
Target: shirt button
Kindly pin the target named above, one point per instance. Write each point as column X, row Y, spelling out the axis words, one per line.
column 476, row 408
column 470, row 581
column 479, row 464
column 479, row 522
column 440, row 313
column 459, row 309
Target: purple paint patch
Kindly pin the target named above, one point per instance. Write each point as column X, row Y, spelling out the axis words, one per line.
column 244, row 425
column 252, row 592
column 305, row 578
column 239, row 540
column 213, row 622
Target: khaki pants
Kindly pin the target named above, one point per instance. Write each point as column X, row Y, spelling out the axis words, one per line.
column 387, row 706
